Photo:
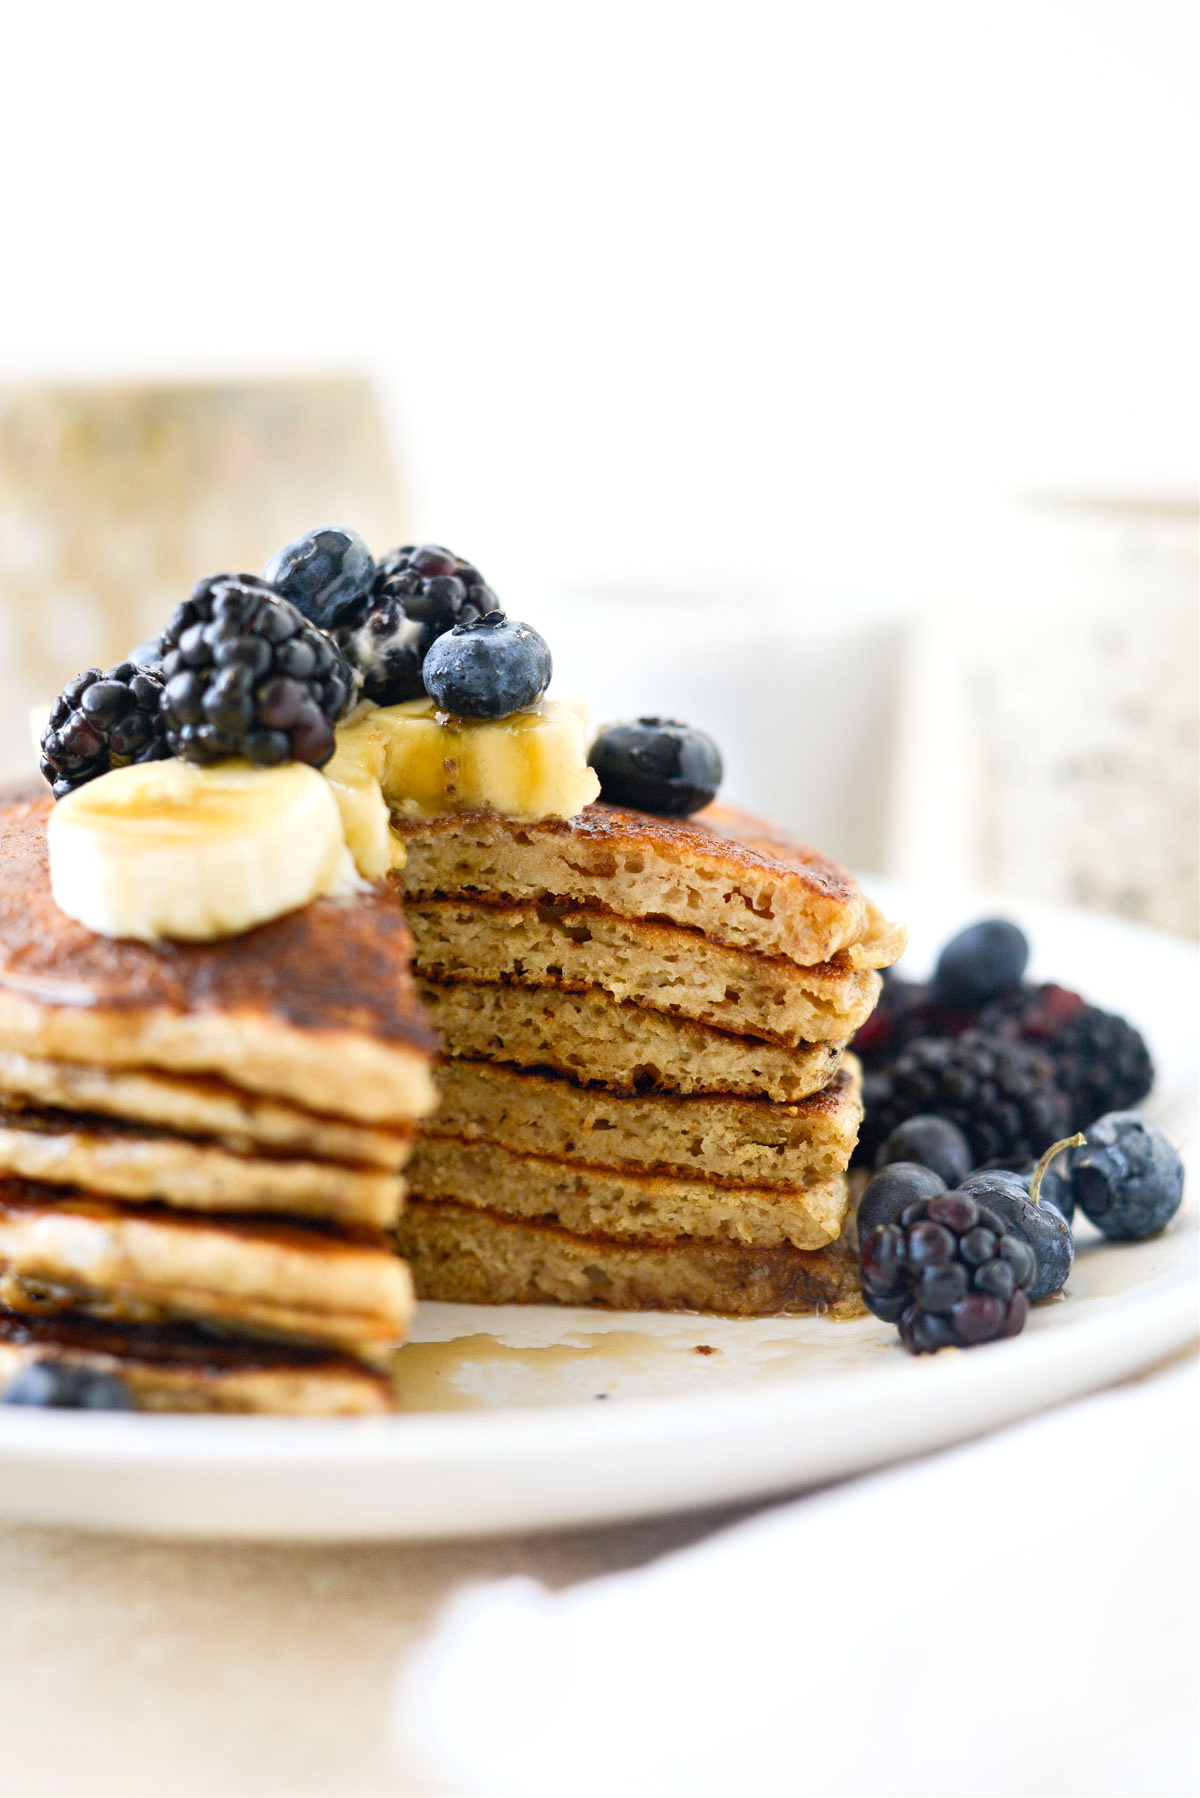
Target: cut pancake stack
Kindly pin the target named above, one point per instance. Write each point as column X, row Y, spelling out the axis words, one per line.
column 200, row 1147
column 646, row 1101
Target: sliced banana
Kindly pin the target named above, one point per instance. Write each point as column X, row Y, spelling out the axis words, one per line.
column 169, row 849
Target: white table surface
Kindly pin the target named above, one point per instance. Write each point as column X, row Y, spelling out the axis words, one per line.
column 210, row 1670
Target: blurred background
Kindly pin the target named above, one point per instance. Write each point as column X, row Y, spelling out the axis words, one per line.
column 824, row 375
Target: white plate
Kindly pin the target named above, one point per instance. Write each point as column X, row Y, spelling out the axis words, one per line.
column 529, row 1418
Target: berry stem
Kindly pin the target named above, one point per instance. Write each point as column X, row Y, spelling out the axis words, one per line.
column 1056, row 1148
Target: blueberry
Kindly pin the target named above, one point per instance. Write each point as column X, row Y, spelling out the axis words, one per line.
column 932, row 1142
column 487, row 668
column 1127, row 1178
column 57, row 1385
column 323, row 573
column 657, row 765
column 899, row 1184
column 1042, row 1227
column 980, row 963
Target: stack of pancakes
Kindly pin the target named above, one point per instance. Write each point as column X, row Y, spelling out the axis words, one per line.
column 646, row 1100
column 200, row 1147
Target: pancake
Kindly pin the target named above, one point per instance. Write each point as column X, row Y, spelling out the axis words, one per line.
column 179, row 1367
column 752, row 1142
column 615, row 1202
column 468, row 1256
column 140, row 1164
column 591, row 1038
column 317, row 1007
column 198, row 1105
column 633, row 959
column 64, row 1250
column 725, row 873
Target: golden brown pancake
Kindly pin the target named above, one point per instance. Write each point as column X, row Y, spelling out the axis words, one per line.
column 615, row 1202
column 591, row 1038
column 180, row 1367
column 747, row 1142
column 316, row 1007
column 732, row 876
column 132, row 1162
column 66, row 1250
column 199, row 1105
column 637, row 961
column 471, row 1256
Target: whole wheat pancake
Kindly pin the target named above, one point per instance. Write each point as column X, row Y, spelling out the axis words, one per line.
column 634, row 959
column 470, row 1256
column 750, row 1142
column 198, row 1105
column 179, row 1367
column 316, row 1007
column 140, row 1164
column 64, row 1250
column 592, row 1038
column 727, row 874
column 616, row 1202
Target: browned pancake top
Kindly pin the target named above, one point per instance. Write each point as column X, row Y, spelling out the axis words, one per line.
column 335, row 965
column 738, row 839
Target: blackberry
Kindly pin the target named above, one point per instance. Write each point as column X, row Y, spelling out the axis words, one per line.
column 948, row 1274
column 906, row 1011
column 102, row 721
column 488, row 668
column 247, row 675
column 1101, row 1061
column 419, row 593
column 657, row 765
column 1002, row 1095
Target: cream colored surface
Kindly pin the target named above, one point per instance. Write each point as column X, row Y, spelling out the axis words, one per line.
column 171, row 850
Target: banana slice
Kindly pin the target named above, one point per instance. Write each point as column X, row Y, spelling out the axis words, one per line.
column 168, row 849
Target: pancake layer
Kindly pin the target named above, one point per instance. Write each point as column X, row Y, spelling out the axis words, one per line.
column 467, row 1255
column 60, row 1249
column 592, row 1039
column 179, row 1367
column 749, row 1142
column 725, row 873
column 660, row 966
column 600, row 1201
column 141, row 1165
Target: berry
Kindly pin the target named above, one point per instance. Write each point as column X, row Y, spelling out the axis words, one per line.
column 948, row 1274
column 1128, row 1179
column 1002, row 1095
column 905, row 1012
column 324, row 573
column 888, row 1192
column 931, row 1142
column 418, row 594
column 487, row 668
column 1017, row 1198
column 979, row 963
column 58, row 1385
column 247, row 675
column 1103, row 1063
column 657, row 765
column 102, row 721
